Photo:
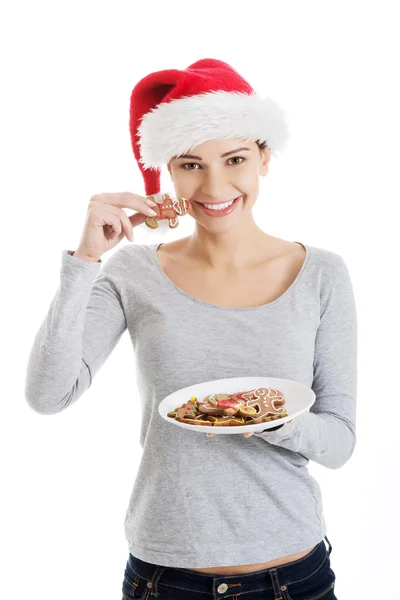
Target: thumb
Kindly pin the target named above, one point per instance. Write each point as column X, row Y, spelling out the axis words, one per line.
column 137, row 219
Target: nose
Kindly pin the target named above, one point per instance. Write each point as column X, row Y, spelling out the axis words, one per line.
column 215, row 186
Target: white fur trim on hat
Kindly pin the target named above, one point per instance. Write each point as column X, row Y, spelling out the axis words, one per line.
column 175, row 127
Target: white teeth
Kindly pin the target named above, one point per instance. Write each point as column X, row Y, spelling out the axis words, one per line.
column 218, row 206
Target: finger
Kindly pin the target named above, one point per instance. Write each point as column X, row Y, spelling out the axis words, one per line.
column 127, row 225
column 154, row 200
column 112, row 221
column 124, row 220
column 147, row 200
column 128, row 222
column 137, row 219
column 124, row 200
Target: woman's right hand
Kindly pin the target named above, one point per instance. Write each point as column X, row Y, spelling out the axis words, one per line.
column 107, row 223
column 262, row 431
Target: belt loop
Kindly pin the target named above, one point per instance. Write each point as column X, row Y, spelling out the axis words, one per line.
column 330, row 547
column 153, row 584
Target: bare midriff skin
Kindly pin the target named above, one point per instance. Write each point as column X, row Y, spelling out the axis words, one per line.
column 243, row 569
column 257, row 285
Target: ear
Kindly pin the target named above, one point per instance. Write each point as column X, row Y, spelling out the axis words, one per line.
column 265, row 158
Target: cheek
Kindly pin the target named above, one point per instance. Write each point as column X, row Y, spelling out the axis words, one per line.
column 246, row 179
column 185, row 190
column 184, row 185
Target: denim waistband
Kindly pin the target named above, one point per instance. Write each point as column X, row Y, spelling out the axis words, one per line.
column 291, row 571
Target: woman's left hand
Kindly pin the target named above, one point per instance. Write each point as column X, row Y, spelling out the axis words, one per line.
column 247, row 434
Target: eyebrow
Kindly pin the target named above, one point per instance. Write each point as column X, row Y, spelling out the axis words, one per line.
column 222, row 155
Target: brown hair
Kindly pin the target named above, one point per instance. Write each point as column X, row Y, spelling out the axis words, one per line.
column 261, row 145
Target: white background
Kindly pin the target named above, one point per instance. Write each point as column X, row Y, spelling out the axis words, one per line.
column 67, row 73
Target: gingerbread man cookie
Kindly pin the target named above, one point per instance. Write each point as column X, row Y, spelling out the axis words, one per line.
column 268, row 402
column 167, row 209
column 249, row 407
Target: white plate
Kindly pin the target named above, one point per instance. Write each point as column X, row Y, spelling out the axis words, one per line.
column 298, row 398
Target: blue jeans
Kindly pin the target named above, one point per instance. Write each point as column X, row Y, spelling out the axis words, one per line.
column 309, row 578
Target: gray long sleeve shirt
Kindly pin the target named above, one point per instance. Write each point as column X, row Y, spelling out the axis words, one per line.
column 222, row 501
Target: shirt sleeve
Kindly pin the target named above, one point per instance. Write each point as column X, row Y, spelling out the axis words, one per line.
column 326, row 433
column 83, row 324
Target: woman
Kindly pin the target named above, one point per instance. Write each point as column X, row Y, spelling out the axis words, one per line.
column 225, row 517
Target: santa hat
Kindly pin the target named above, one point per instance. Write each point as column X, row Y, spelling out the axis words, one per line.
column 173, row 111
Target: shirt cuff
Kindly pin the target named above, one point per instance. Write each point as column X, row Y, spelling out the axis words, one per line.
column 285, row 432
column 274, row 428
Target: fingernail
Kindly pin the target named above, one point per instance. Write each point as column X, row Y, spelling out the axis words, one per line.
column 151, row 212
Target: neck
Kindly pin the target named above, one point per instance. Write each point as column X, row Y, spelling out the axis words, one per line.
column 235, row 248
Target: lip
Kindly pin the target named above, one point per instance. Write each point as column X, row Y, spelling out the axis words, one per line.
column 219, row 213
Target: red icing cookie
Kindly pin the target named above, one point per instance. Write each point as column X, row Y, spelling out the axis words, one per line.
column 168, row 209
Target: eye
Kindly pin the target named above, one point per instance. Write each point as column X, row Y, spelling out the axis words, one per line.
column 186, row 164
column 241, row 158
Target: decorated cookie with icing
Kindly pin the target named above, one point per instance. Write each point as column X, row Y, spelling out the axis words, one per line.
column 268, row 402
column 220, row 404
column 167, row 209
column 249, row 407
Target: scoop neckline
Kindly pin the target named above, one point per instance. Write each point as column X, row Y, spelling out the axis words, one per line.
column 154, row 248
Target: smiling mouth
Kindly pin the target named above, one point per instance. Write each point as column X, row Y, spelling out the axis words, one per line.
column 222, row 209
column 218, row 205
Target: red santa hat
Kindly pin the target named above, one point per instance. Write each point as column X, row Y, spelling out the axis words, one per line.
column 173, row 111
